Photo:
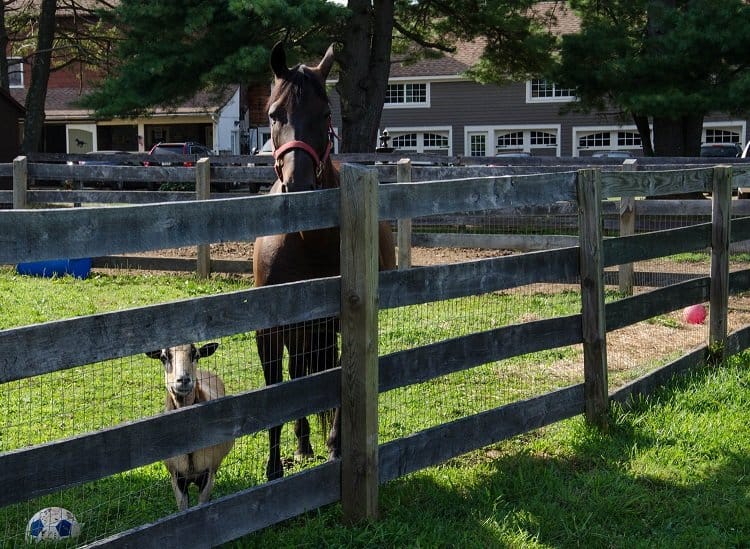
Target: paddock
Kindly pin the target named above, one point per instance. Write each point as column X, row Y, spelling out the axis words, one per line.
column 480, row 340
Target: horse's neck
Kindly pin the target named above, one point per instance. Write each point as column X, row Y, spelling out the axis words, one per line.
column 329, row 178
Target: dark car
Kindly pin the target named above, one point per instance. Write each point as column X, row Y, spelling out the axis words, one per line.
column 172, row 154
column 107, row 158
column 726, row 150
column 166, row 154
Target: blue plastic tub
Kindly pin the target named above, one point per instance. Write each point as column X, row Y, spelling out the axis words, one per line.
column 79, row 268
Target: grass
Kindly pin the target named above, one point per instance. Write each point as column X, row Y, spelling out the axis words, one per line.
column 99, row 395
column 673, row 472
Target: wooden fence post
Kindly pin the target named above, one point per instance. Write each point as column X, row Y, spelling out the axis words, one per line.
column 627, row 228
column 596, row 389
column 359, row 343
column 20, row 182
column 720, row 227
column 203, row 192
column 403, row 226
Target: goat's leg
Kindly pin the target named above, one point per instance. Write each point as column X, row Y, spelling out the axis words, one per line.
column 208, row 485
column 271, row 351
column 180, row 489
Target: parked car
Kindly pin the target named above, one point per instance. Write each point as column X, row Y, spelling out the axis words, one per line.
column 726, row 150
column 168, row 154
column 107, row 158
column 744, row 192
column 612, row 154
column 165, row 153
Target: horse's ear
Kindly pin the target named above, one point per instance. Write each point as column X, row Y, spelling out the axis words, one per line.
column 278, row 60
column 324, row 67
column 154, row 354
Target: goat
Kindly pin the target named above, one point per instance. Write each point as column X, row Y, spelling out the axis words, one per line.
column 187, row 385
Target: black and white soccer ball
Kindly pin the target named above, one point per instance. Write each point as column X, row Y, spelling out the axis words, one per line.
column 52, row 524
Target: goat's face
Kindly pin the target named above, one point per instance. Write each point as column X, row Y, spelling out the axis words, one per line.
column 180, row 366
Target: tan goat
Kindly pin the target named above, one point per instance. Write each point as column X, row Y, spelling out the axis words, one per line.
column 187, row 385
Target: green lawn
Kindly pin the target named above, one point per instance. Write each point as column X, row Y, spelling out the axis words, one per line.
column 554, row 488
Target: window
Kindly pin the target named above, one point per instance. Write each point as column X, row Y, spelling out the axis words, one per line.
column 510, row 140
column 406, row 95
column 15, row 72
column 542, row 90
column 543, row 139
column 478, row 144
column 435, row 141
column 421, row 141
column 628, row 139
column 406, row 141
column 716, row 135
column 602, row 139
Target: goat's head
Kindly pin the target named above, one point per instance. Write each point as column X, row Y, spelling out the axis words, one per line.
column 180, row 366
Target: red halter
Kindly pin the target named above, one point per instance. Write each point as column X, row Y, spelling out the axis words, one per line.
column 318, row 161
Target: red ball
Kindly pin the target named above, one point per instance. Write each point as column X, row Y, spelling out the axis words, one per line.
column 694, row 314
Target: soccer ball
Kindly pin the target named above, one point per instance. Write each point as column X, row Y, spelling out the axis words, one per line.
column 51, row 524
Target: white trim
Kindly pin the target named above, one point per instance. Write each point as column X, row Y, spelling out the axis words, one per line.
column 421, row 105
column 727, row 125
column 492, row 131
column 562, row 99
column 577, row 130
column 422, row 130
column 429, row 78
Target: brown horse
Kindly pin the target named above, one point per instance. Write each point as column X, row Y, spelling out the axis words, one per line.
column 302, row 136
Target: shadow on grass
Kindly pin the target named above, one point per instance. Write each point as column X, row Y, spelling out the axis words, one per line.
column 651, row 482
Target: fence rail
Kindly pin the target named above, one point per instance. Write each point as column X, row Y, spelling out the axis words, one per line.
column 30, row 235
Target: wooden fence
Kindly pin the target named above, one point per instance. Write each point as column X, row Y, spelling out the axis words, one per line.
column 31, row 235
column 626, row 216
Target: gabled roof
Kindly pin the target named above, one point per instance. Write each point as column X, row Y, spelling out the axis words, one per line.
column 6, row 97
column 60, row 103
column 556, row 16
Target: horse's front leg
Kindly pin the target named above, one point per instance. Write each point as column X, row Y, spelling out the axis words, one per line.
column 271, row 352
column 297, row 369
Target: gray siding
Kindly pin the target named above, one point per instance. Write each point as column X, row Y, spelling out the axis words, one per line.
column 464, row 103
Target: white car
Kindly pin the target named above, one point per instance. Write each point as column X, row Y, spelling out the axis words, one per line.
column 744, row 192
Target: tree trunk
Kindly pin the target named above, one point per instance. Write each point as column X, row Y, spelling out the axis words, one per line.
column 644, row 129
column 365, row 67
column 4, row 79
column 40, row 69
column 678, row 137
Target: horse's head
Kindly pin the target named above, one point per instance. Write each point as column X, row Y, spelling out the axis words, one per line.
column 180, row 367
column 300, row 118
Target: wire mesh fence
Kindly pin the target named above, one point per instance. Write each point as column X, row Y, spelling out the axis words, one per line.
column 68, row 403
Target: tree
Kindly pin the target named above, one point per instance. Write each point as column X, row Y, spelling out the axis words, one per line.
column 214, row 44
column 31, row 29
column 40, row 67
column 170, row 49
column 664, row 63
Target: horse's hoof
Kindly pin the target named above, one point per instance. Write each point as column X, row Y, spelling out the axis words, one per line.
column 303, row 456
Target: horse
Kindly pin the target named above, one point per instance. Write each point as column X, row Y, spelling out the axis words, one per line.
column 302, row 136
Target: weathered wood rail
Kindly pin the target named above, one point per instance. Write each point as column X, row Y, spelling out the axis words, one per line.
column 31, row 235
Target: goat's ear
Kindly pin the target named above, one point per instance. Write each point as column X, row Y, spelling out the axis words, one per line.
column 154, row 354
column 207, row 350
